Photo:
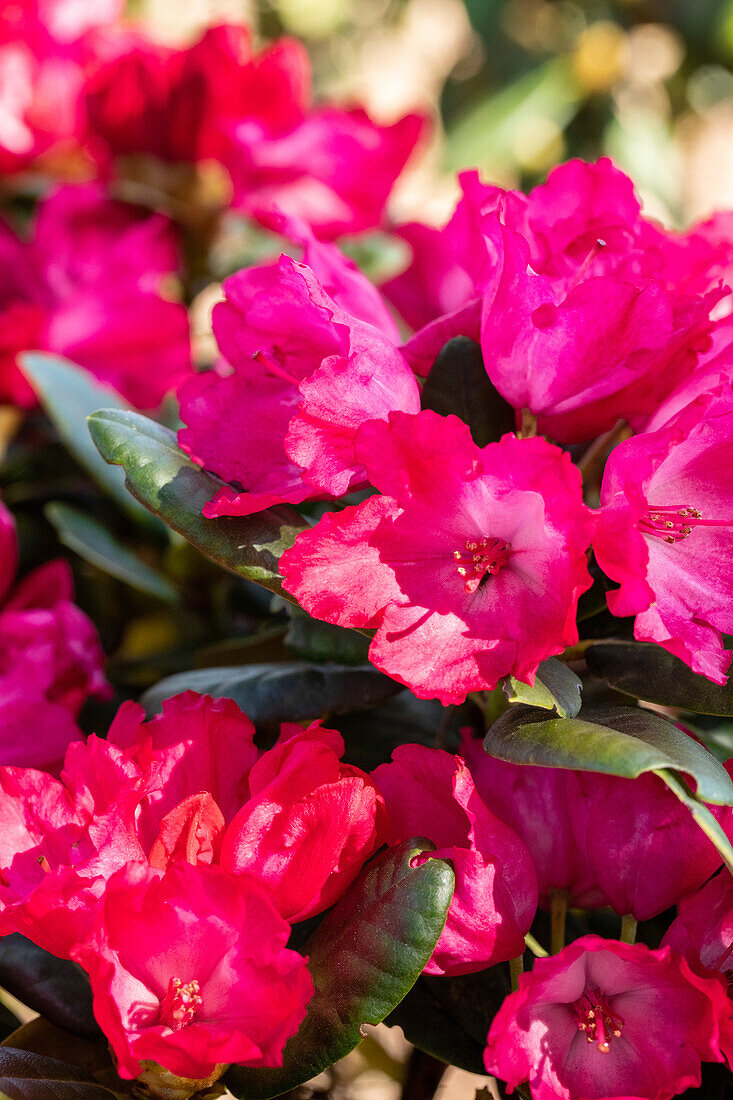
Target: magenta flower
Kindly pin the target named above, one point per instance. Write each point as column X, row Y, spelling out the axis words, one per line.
column 608, row 1021
column 309, row 824
column 91, row 264
column 703, row 928
column 51, row 660
column 306, row 374
column 665, row 533
column 469, row 569
column 431, row 793
column 190, row 970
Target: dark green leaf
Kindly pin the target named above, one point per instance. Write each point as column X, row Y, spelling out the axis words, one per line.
column 617, row 740
column 54, row 987
column 291, row 691
column 165, row 480
column 371, row 736
column 27, row 1076
column 316, row 641
column 649, row 672
column 458, row 383
column 364, row 958
column 90, row 540
column 556, row 687
column 68, row 395
column 450, row 1017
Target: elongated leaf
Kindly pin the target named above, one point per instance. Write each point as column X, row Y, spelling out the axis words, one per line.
column 458, row 383
column 165, row 480
column 649, row 672
column 617, row 740
column 317, row 641
column 54, row 987
column 364, row 958
column 90, row 540
column 289, row 691
column 556, row 687
column 26, row 1076
column 68, row 395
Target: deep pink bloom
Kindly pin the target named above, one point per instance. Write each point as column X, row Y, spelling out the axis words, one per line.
column 190, row 970
column 91, row 264
column 431, row 793
column 50, row 658
column 60, row 840
column 309, row 824
column 548, row 809
column 665, row 533
column 306, row 374
column 608, row 1021
column 453, row 567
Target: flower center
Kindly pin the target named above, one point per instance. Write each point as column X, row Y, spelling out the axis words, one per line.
column 180, row 1004
column 599, row 1022
column 674, row 522
column 479, row 559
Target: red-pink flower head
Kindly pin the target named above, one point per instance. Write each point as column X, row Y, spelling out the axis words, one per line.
column 469, row 569
column 51, row 659
column 608, row 1021
column 431, row 793
column 90, row 265
column 309, row 824
column 190, row 970
column 665, row 533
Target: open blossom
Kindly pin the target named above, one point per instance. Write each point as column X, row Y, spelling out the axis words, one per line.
column 608, row 1021
column 665, row 533
column 92, row 264
column 306, row 373
column 51, row 660
column 190, row 970
column 469, row 569
column 431, row 793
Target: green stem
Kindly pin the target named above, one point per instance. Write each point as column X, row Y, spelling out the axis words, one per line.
column 536, row 948
column 628, row 929
column 558, row 913
column 701, row 814
column 516, row 967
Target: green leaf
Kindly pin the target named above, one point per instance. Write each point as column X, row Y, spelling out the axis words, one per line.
column 28, row 1076
column 54, row 987
column 556, row 687
column 647, row 671
column 165, row 480
column 364, row 958
column 289, row 691
column 702, row 815
column 458, row 383
column 616, row 740
column 93, row 542
column 450, row 1017
column 316, row 641
column 68, row 395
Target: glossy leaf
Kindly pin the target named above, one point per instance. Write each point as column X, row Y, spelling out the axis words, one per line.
column 317, row 641
column 617, row 740
column 92, row 541
column 289, row 691
column 646, row 671
column 54, row 987
column 364, row 958
column 27, row 1076
column 68, row 394
column 164, row 479
column 458, row 383
column 556, row 687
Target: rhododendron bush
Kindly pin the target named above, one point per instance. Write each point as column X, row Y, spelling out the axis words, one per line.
column 371, row 667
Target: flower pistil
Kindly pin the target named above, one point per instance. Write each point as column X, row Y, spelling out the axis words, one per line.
column 479, row 559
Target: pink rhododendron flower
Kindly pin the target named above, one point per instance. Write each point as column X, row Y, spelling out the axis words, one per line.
column 306, row 374
column 60, row 840
column 665, row 533
column 190, row 970
column 309, row 824
column 608, row 1021
column 703, row 929
column 91, row 264
column 431, row 793
column 50, row 658
column 453, row 567
column 547, row 807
